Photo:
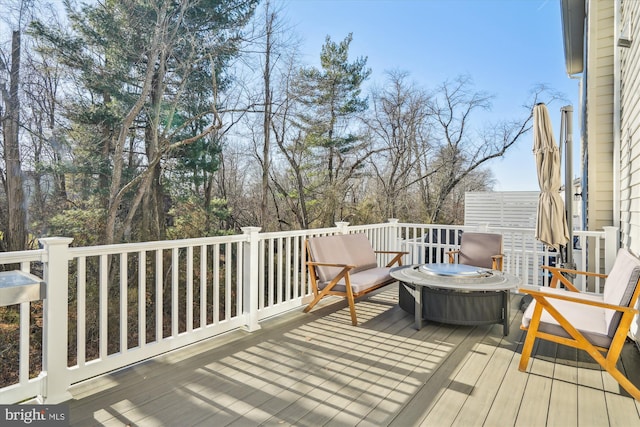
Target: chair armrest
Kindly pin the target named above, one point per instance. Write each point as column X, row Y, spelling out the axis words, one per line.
column 497, row 262
column 329, row 264
column 452, row 255
column 557, row 276
column 539, row 295
column 570, row 271
column 396, row 259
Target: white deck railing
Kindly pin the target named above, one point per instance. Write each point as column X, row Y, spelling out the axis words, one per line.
column 108, row 307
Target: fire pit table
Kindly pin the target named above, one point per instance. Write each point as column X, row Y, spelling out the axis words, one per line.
column 455, row 293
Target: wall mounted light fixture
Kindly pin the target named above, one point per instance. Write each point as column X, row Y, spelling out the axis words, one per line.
column 624, row 39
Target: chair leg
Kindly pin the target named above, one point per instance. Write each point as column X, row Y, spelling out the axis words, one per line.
column 527, row 348
column 318, row 297
column 352, row 308
column 312, row 303
column 624, row 382
column 526, row 351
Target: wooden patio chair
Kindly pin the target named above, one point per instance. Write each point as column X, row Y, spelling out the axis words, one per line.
column 597, row 324
column 480, row 250
column 346, row 265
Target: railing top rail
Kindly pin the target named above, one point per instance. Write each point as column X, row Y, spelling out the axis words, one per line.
column 316, row 231
column 491, row 227
column 589, row 233
column 21, row 256
column 309, row 232
column 155, row 245
column 369, row 226
column 422, row 225
column 513, row 229
column 36, row 255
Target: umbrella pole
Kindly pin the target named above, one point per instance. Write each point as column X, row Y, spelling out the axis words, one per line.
column 566, row 136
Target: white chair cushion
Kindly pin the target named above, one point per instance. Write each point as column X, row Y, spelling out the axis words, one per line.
column 477, row 248
column 589, row 320
column 362, row 280
column 349, row 249
column 620, row 285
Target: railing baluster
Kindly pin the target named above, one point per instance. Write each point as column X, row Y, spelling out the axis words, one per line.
column 123, row 303
column 81, row 310
column 287, row 255
column 142, row 298
column 203, row 286
column 25, row 332
column 189, row 290
column 216, row 283
column 262, row 265
column 279, row 266
column 159, row 296
column 597, row 257
column 297, row 289
column 239, row 279
column 228, row 266
column 103, row 290
column 271, row 273
column 24, row 350
column 175, row 294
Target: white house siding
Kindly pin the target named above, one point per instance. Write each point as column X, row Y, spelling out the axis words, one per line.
column 599, row 111
column 630, row 130
column 630, row 135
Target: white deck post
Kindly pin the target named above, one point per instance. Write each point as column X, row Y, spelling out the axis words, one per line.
column 55, row 388
column 251, row 265
column 342, row 227
column 611, row 245
column 393, row 239
column 484, row 227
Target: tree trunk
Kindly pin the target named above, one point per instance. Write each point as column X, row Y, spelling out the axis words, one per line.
column 116, row 190
column 266, row 125
column 16, row 235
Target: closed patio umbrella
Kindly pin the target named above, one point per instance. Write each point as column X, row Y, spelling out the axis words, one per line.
column 551, row 222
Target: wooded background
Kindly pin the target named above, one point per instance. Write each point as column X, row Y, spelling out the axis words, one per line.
column 137, row 120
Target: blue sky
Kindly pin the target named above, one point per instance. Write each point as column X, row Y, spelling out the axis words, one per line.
column 505, row 46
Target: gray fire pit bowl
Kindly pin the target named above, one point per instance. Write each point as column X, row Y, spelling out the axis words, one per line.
column 455, row 294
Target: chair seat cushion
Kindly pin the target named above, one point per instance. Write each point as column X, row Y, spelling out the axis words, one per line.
column 620, row 285
column 363, row 280
column 589, row 320
column 349, row 249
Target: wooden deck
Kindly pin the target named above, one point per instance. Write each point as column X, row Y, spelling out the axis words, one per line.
column 316, row 369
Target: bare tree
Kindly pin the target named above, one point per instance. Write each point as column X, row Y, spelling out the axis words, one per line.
column 291, row 186
column 270, row 18
column 399, row 126
column 16, row 235
column 15, row 238
column 461, row 150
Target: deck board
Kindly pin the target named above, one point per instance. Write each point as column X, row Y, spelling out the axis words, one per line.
column 317, row 369
column 495, row 369
column 592, row 408
column 508, row 397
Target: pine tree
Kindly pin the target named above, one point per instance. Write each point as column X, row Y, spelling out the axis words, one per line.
column 149, row 75
column 332, row 96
